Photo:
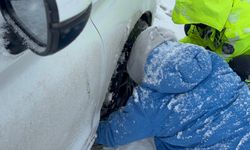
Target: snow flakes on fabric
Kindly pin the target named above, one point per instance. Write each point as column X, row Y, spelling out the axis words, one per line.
column 155, row 73
column 242, row 142
column 135, row 96
column 186, row 65
column 213, row 109
column 211, row 127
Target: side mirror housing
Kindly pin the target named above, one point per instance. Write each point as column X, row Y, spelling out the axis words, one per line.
column 47, row 26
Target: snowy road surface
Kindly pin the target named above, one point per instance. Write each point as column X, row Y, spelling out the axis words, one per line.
column 163, row 18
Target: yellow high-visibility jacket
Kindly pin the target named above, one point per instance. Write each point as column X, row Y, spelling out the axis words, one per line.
column 232, row 17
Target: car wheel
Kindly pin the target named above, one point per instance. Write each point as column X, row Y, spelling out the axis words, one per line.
column 121, row 86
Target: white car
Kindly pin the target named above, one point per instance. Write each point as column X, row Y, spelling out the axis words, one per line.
column 53, row 101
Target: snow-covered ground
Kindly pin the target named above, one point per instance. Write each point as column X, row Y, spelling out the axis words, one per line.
column 163, row 17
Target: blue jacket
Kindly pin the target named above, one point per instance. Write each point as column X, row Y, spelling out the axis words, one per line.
column 189, row 99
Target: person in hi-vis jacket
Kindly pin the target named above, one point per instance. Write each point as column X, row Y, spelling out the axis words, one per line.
column 221, row 26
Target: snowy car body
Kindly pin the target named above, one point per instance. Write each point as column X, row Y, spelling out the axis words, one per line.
column 54, row 102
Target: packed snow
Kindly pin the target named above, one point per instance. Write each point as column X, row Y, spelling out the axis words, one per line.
column 163, row 18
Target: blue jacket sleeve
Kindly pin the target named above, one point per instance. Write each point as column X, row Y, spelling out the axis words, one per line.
column 124, row 126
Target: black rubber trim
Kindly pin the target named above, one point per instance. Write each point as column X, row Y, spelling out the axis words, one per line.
column 53, row 35
column 71, row 28
column 61, row 34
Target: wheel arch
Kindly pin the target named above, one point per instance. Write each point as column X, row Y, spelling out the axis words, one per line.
column 148, row 17
column 121, row 85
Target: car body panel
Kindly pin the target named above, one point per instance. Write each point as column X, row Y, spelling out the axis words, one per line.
column 44, row 100
column 53, row 102
column 75, row 7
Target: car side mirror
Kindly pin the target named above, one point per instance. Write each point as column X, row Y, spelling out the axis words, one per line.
column 47, row 26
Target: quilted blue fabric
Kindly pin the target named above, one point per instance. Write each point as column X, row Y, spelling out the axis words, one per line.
column 189, row 99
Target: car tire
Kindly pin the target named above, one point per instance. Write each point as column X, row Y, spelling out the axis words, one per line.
column 121, row 86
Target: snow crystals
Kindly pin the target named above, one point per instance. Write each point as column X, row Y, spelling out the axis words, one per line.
column 245, row 139
column 154, row 69
column 135, row 95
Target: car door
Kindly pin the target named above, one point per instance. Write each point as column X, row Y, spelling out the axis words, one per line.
column 51, row 103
